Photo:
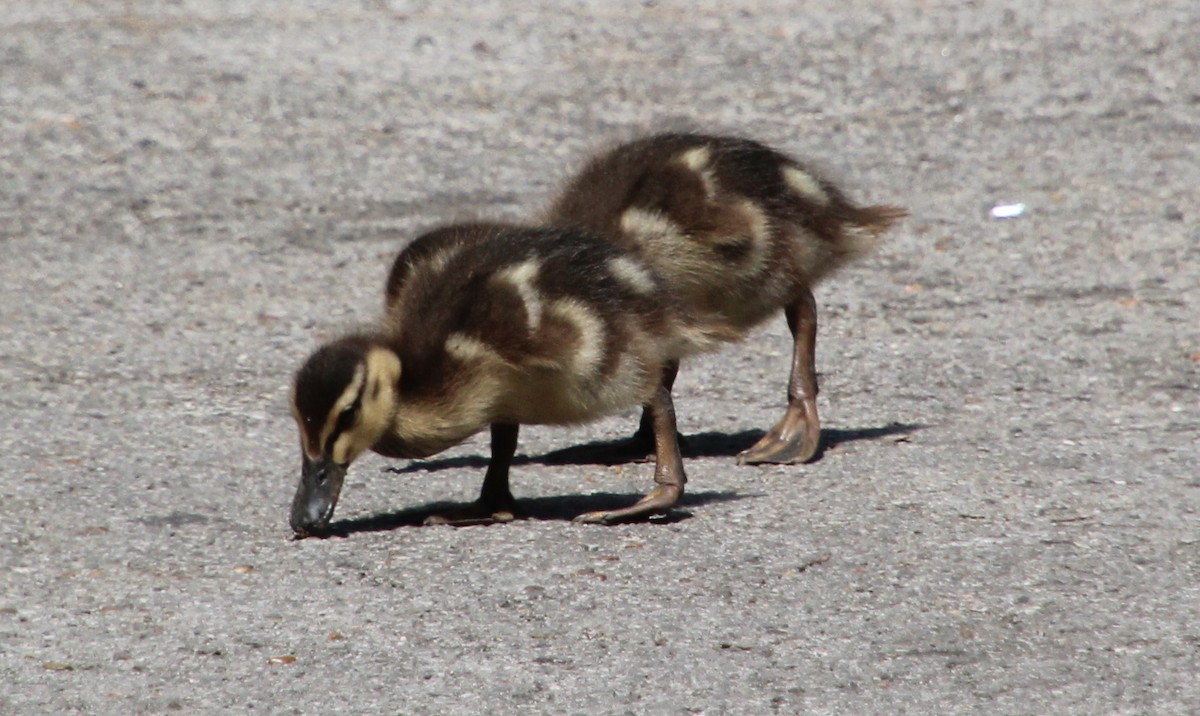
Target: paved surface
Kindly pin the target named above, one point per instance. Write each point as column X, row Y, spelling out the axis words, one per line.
column 193, row 193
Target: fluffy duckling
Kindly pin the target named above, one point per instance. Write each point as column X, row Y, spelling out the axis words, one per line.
column 739, row 231
column 495, row 325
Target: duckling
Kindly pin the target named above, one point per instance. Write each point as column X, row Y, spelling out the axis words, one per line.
column 494, row 326
column 739, row 231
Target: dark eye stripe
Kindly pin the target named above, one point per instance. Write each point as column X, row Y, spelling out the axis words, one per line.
column 344, row 421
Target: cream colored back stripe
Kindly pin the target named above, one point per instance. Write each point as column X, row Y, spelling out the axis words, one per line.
column 469, row 349
column 590, row 329
column 805, row 184
column 521, row 277
column 631, row 273
column 697, row 159
column 648, row 224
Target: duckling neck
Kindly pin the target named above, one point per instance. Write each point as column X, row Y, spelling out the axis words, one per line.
column 421, row 428
column 436, row 406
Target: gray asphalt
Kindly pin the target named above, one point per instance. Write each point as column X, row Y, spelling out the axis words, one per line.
column 1005, row 518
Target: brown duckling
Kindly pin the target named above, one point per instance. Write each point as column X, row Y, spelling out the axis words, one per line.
column 739, row 231
column 492, row 325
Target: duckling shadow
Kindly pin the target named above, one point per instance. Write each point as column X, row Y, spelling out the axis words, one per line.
column 831, row 438
column 706, row 444
column 625, row 450
column 560, row 508
column 621, row 451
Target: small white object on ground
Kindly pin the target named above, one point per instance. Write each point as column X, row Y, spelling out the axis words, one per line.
column 1007, row 211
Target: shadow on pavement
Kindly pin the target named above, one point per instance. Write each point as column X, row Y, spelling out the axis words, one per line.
column 626, row 450
column 829, row 438
column 562, row 508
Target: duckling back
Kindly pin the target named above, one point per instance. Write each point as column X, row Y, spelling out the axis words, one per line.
column 499, row 323
column 732, row 225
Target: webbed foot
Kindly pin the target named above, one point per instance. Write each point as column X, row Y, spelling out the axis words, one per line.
column 796, row 439
column 660, row 499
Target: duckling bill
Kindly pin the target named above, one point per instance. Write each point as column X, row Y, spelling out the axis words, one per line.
column 494, row 326
column 740, row 232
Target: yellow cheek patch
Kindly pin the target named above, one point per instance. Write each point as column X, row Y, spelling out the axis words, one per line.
column 345, row 400
column 377, row 410
column 383, row 367
column 374, row 387
column 342, row 452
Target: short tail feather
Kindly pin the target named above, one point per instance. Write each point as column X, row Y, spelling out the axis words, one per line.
column 878, row 219
column 862, row 232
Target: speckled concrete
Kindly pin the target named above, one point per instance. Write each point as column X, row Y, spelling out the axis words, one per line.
column 1004, row 521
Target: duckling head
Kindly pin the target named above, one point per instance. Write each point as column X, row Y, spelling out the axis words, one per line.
column 343, row 399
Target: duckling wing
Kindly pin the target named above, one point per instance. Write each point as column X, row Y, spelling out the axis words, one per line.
column 549, row 325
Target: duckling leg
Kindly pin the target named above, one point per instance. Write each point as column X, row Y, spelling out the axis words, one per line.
column 495, row 503
column 668, row 466
column 643, row 440
column 797, row 436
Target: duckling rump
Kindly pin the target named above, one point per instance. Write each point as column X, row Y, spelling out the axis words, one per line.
column 733, row 225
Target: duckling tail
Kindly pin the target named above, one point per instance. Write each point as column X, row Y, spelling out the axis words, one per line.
column 862, row 230
column 878, row 219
